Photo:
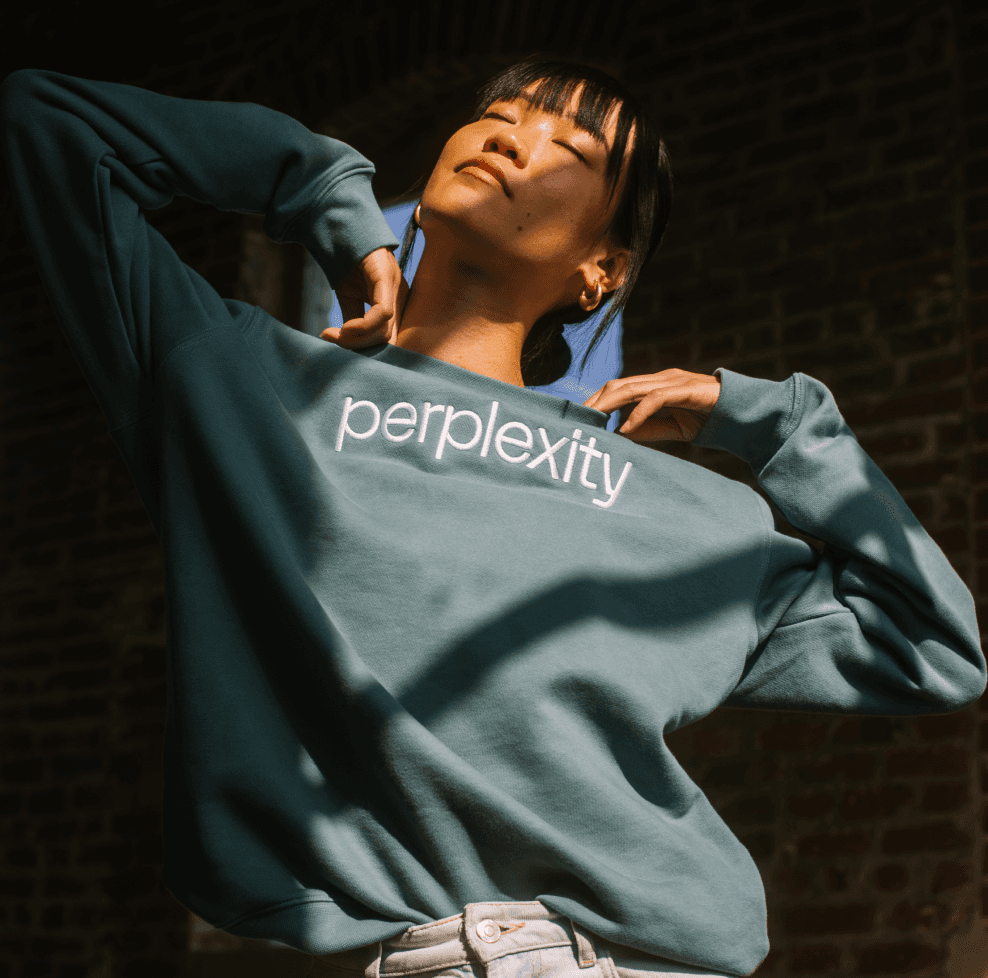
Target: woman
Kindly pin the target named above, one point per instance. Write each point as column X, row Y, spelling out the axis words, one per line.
column 427, row 628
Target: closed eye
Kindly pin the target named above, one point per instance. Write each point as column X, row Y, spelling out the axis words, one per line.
column 579, row 155
column 497, row 115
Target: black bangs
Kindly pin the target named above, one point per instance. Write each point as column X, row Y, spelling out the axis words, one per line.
column 555, row 82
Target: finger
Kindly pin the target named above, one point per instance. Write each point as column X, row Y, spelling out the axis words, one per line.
column 594, row 399
column 351, row 307
column 350, row 339
column 371, row 329
column 655, row 419
column 695, row 396
column 624, row 390
column 376, row 316
column 673, row 403
column 375, row 283
column 609, row 390
column 382, row 290
column 389, row 293
column 350, row 294
column 650, row 404
column 616, row 394
column 657, row 429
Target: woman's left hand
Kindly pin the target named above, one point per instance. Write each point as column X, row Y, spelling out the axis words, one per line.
column 672, row 405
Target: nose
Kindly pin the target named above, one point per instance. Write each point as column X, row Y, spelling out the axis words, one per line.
column 506, row 144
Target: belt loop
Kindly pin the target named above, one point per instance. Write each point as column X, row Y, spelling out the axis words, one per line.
column 584, row 947
column 373, row 970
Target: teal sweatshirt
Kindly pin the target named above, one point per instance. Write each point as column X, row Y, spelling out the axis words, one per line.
column 427, row 631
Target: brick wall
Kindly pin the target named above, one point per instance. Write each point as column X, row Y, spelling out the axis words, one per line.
column 831, row 217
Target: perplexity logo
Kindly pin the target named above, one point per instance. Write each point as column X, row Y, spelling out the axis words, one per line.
column 400, row 422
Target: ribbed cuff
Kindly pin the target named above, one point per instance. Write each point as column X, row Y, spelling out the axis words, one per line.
column 752, row 417
column 344, row 228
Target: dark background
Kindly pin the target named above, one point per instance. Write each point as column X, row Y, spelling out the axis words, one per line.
column 831, row 217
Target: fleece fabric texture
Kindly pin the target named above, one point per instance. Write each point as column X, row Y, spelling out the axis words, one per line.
column 427, row 631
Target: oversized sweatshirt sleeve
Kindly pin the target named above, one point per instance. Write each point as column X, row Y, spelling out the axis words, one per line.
column 879, row 622
column 87, row 158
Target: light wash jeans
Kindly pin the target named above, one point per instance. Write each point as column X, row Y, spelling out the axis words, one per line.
column 500, row 940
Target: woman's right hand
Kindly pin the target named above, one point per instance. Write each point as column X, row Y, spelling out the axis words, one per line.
column 378, row 281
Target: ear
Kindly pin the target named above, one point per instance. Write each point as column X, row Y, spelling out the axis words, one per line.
column 614, row 268
column 609, row 269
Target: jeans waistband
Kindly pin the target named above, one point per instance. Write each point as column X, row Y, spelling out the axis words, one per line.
column 483, row 931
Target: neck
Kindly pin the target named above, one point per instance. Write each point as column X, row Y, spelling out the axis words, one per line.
column 459, row 312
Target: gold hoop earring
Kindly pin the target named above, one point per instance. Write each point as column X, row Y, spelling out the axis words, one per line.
column 416, row 215
column 598, row 293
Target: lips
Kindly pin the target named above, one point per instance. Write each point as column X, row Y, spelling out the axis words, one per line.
column 490, row 168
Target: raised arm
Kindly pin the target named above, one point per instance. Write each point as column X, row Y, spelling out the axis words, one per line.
column 86, row 158
column 879, row 622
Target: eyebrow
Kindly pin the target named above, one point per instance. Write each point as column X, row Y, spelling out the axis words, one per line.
column 572, row 118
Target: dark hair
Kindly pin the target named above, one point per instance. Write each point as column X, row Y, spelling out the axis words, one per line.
column 642, row 212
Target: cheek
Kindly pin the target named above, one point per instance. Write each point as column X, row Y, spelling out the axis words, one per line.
column 452, row 152
column 559, row 202
column 565, row 192
column 441, row 168
column 546, row 197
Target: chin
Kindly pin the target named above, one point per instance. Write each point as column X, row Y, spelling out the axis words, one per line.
column 478, row 226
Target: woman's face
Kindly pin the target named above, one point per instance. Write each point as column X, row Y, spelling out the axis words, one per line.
column 548, row 208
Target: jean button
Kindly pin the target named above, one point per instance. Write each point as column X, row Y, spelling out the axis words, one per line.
column 488, row 931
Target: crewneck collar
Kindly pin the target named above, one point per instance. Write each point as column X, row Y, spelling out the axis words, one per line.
column 422, row 363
